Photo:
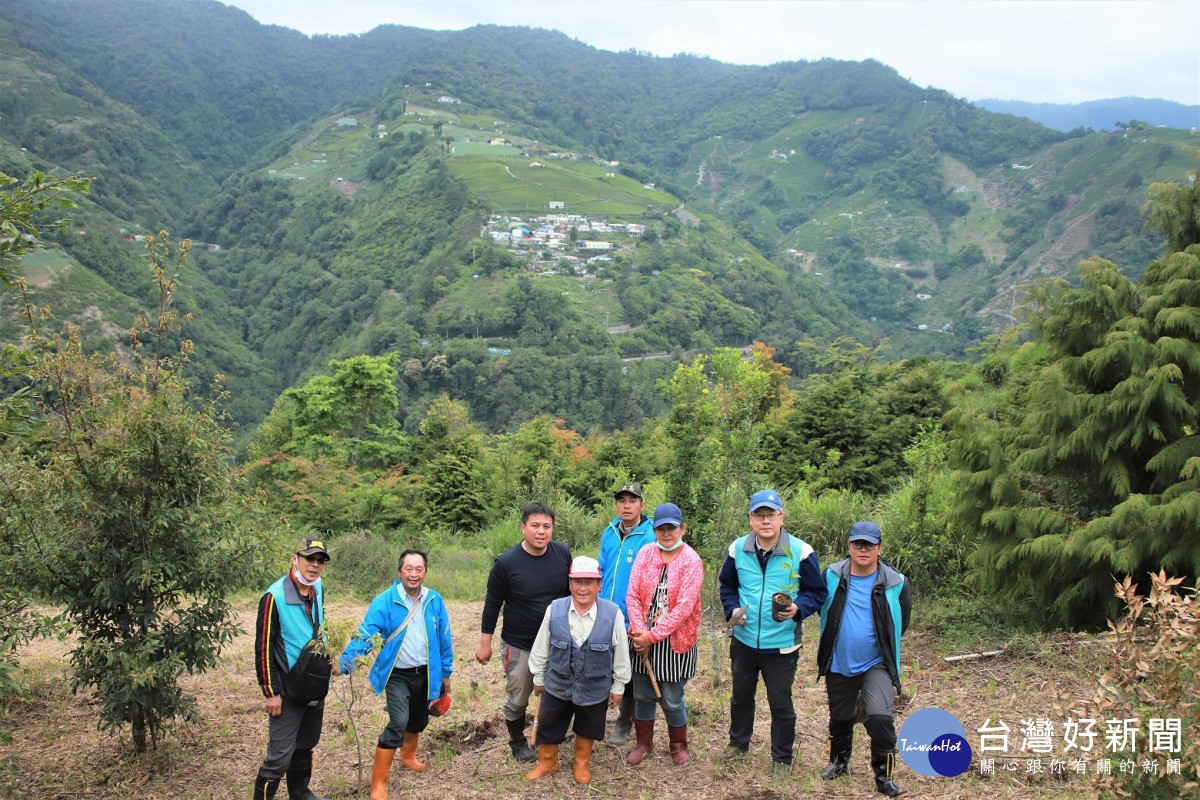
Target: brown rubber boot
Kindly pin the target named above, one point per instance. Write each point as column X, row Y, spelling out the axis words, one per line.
column 547, row 762
column 408, row 752
column 379, row 773
column 678, row 743
column 644, row 731
column 583, row 754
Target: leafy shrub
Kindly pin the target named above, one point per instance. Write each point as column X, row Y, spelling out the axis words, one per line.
column 824, row 518
column 920, row 538
column 361, row 565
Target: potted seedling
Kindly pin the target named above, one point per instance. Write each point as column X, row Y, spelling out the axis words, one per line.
column 781, row 601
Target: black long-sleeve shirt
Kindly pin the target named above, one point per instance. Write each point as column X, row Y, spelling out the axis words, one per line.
column 524, row 585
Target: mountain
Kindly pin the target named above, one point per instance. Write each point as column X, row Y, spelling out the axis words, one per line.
column 1100, row 115
column 353, row 195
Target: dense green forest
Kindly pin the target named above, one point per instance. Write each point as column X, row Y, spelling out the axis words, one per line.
column 852, row 240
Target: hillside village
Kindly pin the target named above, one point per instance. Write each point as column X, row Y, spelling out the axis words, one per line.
column 561, row 241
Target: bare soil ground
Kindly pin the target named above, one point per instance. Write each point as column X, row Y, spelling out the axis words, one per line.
column 50, row 746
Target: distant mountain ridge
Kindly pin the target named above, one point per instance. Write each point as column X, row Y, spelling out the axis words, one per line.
column 1100, row 115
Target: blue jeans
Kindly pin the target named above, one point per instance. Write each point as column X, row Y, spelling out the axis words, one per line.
column 671, row 701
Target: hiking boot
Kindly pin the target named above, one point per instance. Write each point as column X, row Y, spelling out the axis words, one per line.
column 732, row 751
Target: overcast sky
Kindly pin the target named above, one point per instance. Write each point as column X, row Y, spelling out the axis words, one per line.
column 1036, row 50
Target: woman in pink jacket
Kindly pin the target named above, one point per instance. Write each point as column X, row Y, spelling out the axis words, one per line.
column 664, row 618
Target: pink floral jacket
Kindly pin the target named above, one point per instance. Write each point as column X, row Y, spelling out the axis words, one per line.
column 685, row 575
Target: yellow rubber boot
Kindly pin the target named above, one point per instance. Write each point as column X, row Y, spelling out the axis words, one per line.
column 583, row 754
column 408, row 752
column 547, row 762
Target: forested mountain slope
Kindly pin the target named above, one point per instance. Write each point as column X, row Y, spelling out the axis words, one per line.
column 342, row 187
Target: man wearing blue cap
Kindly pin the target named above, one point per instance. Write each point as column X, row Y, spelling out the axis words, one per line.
column 764, row 563
column 862, row 620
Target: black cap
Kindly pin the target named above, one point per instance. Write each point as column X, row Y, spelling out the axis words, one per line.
column 311, row 545
column 629, row 488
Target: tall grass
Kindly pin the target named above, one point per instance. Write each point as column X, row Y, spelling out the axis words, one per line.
column 823, row 518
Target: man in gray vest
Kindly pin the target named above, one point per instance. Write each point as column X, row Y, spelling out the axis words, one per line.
column 580, row 665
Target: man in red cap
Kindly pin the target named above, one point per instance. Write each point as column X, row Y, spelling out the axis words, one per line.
column 580, row 664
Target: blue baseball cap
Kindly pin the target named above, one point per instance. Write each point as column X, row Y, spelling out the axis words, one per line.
column 865, row 532
column 668, row 514
column 765, row 499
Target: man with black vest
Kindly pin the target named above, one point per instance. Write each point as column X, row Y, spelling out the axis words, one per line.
column 862, row 620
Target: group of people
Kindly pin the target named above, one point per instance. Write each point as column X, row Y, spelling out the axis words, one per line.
column 582, row 634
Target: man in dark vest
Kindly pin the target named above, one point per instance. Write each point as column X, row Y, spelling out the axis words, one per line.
column 580, row 665
column 862, row 620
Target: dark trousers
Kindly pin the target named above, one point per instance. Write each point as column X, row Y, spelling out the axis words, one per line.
column 296, row 728
column 407, row 693
column 778, row 673
column 872, row 690
column 555, row 714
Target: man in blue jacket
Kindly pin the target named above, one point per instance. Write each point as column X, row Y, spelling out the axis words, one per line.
column 763, row 563
column 413, row 665
column 619, row 546
column 862, row 620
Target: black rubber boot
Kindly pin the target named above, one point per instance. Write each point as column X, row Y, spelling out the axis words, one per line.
column 883, row 762
column 265, row 788
column 521, row 751
column 839, row 757
column 299, row 772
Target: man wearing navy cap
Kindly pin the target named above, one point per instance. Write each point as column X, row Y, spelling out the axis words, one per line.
column 619, row 546
column 862, row 620
column 765, row 562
